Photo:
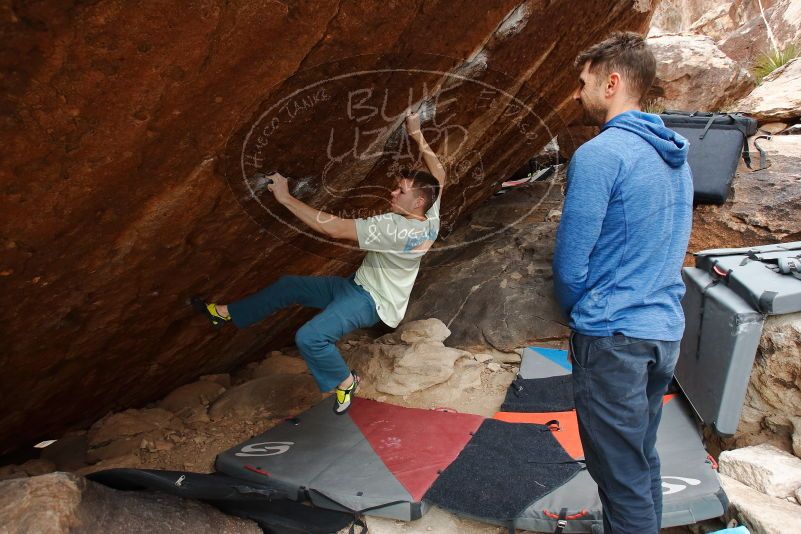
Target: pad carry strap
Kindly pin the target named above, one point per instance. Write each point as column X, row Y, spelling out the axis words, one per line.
column 709, row 286
column 516, row 386
column 581, row 463
column 753, row 257
column 358, row 521
column 561, row 523
column 782, row 264
column 746, row 152
column 707, row 127
column 763, row 160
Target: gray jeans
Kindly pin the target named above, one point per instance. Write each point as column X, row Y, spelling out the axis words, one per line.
column 618, row 385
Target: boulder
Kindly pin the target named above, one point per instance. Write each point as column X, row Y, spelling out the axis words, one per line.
column 572, row 137
column 277, row 395
column 760, row 513
column 676, row 16
column 778, row 97
column 773, row 400
column 418, row 331
column 128, row 134
column 68, row 453
column 67, row 503
column 278, row 363
column 492, row 283
column 403, row 369
column 764, row 468
column 131, row 423
column 119, row 447
column 7, row 472
column 693, row 74
column 714, row 18
column 129, row 461
column 750, row 40
column 30, row 468
column 190, row 396
column 483, row 357
column 223, row 379
column 719, row 21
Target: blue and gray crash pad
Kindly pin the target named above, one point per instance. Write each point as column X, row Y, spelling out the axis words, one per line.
column 519, row 469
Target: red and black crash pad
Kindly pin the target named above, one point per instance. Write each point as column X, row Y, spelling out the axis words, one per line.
column 377, row 458
column 502, row 470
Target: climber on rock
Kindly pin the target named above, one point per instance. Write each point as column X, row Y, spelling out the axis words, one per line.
column 379, row 290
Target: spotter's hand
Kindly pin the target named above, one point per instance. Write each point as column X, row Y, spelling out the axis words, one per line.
column 279, row 187
column 413, row 125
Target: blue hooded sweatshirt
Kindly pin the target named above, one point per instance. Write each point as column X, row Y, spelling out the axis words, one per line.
column 624, row 231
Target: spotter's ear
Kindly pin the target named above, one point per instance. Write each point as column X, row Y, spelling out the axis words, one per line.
column 613, row 83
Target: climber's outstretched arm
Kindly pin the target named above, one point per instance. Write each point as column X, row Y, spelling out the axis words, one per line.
column 319, row 221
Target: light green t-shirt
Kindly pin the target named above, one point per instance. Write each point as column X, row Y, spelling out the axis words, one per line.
column 395, row 246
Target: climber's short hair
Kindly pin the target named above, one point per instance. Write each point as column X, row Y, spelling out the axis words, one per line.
column 425, row 185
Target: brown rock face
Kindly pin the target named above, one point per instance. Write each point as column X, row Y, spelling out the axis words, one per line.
column 572, row 137
column 493, row 284
column 129, row 131
column 278, row 393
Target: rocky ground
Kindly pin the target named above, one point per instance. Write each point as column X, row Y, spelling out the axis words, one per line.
column 186, row 429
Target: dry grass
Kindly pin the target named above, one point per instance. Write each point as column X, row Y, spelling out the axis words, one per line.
column 770, row 61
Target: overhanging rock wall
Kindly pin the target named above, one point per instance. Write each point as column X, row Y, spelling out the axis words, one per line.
column 129, row 131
